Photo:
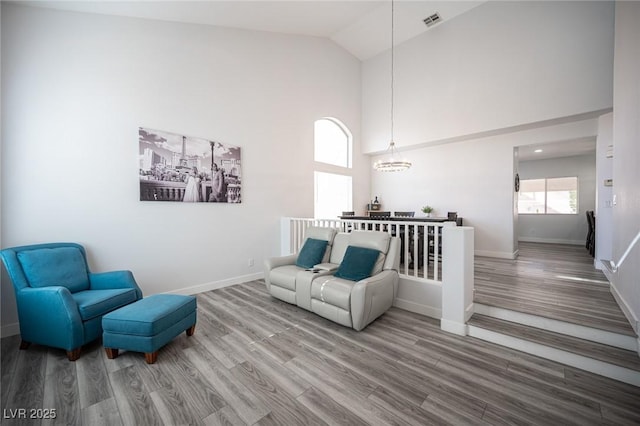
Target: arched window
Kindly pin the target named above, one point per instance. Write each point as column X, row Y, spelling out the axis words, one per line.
column 332, row 177
column 332, row 142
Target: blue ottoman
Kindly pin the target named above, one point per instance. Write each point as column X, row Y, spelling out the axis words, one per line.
column 148, row 324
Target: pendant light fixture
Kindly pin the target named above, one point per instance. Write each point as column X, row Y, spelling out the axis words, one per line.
column 391, row 163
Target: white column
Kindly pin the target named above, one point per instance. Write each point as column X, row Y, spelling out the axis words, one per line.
column 285, row 236
column 457, row 278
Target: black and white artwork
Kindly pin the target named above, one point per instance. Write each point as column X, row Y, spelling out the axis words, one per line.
column 187, row 169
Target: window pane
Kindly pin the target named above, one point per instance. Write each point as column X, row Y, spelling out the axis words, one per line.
column 562, row 195
column 532, row 185
column 548, row 196
column 332, row 195
column 332, row 143
column 531, row 196
column 562, row 184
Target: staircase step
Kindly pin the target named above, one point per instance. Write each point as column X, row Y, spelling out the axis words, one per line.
column 598, row 335
column 609, row 361
column 613, row 321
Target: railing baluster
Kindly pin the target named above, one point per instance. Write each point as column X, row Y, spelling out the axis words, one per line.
column 416, row 245
column 415, row 255
column 425, row 251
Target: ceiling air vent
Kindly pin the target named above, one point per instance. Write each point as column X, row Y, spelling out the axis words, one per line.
column 432, row 20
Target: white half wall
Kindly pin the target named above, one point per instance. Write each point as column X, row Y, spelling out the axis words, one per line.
column 560, row 228
column 75, row 89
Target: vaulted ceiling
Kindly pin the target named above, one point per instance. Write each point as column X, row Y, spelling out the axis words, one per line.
column 361, row 27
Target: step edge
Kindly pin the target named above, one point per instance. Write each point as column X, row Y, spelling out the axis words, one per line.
column 592, row 365
column 605, row 337
column 529, row 306
column 594, row 350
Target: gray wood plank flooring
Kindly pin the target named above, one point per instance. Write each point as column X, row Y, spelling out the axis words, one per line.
column 255, row 360
column 556, row 281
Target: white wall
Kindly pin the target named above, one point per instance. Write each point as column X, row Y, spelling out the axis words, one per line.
column 501, row 64
column 554, row 228
column 474, row 178
column 500, row 76
column 626, row 156
column 75, row 88
column 604, row 194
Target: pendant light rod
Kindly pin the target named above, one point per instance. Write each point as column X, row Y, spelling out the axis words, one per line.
column 392, row 164
column 392, row 64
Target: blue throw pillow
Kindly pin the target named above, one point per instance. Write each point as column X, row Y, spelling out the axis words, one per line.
column 357, row 264
column 312, row 253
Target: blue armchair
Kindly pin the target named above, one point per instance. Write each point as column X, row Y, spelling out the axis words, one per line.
column 60, row 302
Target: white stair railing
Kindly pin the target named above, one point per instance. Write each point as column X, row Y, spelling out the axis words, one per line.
column 421, row 257
column 614, row 266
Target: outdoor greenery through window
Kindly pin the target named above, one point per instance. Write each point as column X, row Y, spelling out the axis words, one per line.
column 548, row 196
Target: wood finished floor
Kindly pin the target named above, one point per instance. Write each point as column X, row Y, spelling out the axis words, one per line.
column 256, row 360
column 556, row 281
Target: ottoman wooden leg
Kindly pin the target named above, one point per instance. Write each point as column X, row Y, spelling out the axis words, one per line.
column 191, row 330
column 24, row 345
column 151, row 357
column 111, row 353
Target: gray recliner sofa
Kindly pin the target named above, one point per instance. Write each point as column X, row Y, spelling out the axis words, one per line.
column 350, row 303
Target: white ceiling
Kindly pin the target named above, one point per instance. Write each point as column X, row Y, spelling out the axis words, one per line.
column 557, row 149
column 361, row 27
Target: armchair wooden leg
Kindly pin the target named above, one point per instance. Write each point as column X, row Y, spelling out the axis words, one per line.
column 191, row 330
column 24, row 345
column 73, row 354
column 111, row 353
column 151, row 357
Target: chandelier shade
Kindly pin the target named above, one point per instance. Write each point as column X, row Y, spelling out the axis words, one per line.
column 391, row 164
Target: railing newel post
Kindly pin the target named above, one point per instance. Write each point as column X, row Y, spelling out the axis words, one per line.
column 457, row 279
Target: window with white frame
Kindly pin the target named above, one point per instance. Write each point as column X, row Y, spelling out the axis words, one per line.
column 332, row 143
column 332, row 177
column 332, row 195
column 548, row 196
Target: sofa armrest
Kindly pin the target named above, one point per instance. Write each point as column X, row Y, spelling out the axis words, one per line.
column 114, row 279
column 275, row 262
column 371, row 297
column 50, row 316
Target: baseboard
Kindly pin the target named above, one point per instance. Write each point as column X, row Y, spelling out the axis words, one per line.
column 599, row 266
column 551, row 241
column 626, row 310
column 496, row 254
column 214, row 285
column 10, row 330
column 454, row 327
column 468, row 313
column 416, row 308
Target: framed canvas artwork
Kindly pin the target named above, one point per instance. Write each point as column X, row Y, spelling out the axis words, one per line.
column 186, row 169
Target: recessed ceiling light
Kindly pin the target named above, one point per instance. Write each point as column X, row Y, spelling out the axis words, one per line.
column 537, row 151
